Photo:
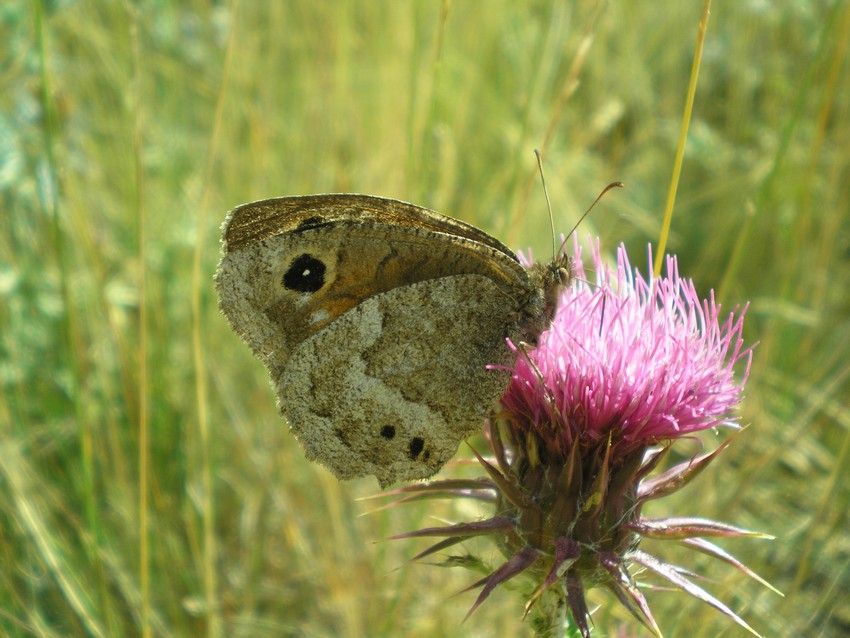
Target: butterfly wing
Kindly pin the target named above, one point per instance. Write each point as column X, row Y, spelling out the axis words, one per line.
column 394, row 385
column 293, row 265
column 376, row 320
column 282, row 215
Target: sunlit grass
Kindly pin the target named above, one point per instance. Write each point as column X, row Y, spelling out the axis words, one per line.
column 113, row 172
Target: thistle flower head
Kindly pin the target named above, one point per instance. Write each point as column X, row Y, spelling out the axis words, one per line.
column 629, row 365
column 638, row 360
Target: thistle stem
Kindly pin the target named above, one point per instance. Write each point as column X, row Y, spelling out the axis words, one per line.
column 549, row 615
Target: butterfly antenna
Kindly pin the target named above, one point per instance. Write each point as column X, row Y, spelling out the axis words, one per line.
column 595, row 201
column 548, row 203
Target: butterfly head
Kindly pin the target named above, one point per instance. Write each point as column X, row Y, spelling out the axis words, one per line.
column 548, row 281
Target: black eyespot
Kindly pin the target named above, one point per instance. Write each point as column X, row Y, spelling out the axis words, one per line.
column 305, row 274
column 416, row 446
column 388, row 431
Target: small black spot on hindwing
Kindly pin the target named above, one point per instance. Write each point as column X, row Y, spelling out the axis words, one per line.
column 388, row 431
column 305, row 274
column 416, row 446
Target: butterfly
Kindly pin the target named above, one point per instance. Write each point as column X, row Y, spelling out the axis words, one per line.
column 383, row 325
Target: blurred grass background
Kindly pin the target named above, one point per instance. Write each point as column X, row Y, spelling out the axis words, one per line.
column 131, row 412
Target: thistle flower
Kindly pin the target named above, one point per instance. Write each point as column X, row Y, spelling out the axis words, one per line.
column 629, row 366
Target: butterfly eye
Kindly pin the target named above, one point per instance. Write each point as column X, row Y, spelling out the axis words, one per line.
column 305, row 274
